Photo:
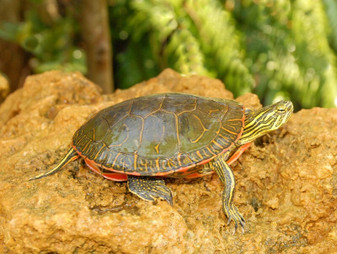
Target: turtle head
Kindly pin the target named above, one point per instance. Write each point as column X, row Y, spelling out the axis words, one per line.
column 264, row 120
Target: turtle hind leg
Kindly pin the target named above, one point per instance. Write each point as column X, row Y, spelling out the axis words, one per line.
column 70, row 156
column 149, row 188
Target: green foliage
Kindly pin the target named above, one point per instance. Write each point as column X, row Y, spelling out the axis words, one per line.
column 220, row 43
column 51, row 45
column 289, row 51
column 277, row 49
column 133, row 58
column 331, row 10
column 185, row 36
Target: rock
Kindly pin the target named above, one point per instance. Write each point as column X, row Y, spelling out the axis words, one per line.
column 286, row 182
column 4, row 87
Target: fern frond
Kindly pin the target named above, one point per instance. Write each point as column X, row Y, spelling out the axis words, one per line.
column 183, row 52
column 221, row 44
column 174, row 45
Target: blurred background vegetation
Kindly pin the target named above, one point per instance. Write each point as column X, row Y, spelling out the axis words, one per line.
column 276, row 49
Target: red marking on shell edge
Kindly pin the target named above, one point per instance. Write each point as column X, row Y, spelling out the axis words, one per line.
column 197, row 175
column 238, row 153
column 118, row 177
column 182, row 169
column 92, row 165
column 92, row 162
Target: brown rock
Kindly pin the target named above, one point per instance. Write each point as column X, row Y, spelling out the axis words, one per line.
column 4, row 87
column 286, row 182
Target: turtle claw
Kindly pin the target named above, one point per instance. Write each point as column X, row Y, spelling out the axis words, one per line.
column 229, row 221
column 149, row 188
column 233, row 214
column 161, row 192
column 242, row 224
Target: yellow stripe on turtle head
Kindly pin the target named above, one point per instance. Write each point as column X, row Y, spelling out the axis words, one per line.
column 264, row 120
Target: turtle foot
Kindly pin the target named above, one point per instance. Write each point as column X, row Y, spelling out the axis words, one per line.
column 149, row 188
column 233, row 214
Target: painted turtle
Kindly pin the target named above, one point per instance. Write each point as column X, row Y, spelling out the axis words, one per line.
column 171, row 135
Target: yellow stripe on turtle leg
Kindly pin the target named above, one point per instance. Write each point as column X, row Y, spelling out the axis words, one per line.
column 70, row 156
column 148, row 188
column 226, row 176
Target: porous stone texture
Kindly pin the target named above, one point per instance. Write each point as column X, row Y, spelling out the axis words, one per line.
column 286, row 181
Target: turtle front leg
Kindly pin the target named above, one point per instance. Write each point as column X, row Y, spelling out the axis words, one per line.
column 226, row 176
column 149, row 188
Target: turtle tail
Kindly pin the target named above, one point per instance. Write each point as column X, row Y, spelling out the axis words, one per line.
column 70, row 156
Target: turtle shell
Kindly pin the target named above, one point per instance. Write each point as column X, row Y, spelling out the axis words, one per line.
column 160, row 134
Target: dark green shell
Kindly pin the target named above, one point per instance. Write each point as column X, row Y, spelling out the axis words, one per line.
column 160, row 134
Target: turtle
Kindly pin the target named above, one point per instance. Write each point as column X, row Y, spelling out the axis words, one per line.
column 146, row 139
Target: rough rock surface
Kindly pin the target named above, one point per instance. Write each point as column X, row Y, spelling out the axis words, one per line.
column 286, row 182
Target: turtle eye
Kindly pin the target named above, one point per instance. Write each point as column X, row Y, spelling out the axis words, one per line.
column 280, row 110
